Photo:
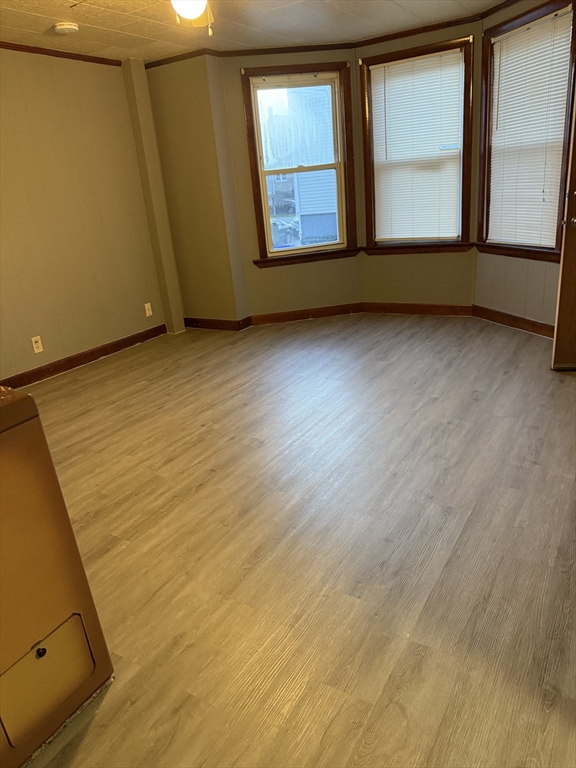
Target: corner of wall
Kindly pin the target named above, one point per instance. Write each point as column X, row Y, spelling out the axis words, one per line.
column 141, row 117
column 189, row 153
column 227, row 184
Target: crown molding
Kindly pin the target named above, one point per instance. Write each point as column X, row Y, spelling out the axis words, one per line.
column 352, row 45
column 59, row 54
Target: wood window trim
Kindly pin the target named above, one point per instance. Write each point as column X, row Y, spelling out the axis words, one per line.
column 436, row 246
column 519, row 252
column 536, row 254
column 350, row 249
column 506, row 249
column 304, row 258
column 416, row 246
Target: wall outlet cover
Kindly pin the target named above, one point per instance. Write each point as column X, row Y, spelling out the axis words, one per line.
column 148, row 309
column 37, row 344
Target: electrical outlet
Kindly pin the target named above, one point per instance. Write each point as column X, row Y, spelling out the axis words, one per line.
column 148, row 309
column 37, row 344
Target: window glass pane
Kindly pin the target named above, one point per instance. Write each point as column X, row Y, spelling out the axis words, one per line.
column 531, row 70
column 417, row 125
column 296, row 126
column 303, row 209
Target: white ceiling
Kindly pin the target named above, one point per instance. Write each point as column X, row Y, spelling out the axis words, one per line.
column 147, row 29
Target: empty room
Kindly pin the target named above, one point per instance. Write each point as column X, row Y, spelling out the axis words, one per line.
column 287, row 384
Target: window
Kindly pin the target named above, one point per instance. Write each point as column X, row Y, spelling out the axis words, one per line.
column 417, row 129
column 301, row 161
column 527, row 126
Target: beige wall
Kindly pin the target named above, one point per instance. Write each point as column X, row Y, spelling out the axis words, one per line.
column 422, row 278
column 76, row 261
column 182, row 107
column 518, row 286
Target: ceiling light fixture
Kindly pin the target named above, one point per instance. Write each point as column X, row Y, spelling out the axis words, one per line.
column 189, row 9
column 196, row 11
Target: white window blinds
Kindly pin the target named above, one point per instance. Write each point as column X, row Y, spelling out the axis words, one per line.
column 530, row 87
column 417, row 128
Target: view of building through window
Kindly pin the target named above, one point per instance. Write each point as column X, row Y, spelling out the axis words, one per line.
column 297, row 136
column 303, row 208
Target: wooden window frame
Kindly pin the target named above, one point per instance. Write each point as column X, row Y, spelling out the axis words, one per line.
column 419, row 246
column 504, row 249
column 350, row 248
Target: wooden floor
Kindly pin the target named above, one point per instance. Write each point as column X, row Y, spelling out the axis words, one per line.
column 340, row 542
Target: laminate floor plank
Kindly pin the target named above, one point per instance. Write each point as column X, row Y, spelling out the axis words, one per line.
column 339, row 542
column 404, row 721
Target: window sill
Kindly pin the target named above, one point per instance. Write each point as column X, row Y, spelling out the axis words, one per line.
column 537, row 254
column 303, row 258
column 521, row 252
column 450, row 246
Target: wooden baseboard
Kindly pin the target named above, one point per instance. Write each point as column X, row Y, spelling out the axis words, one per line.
column 362, row 306
column 396, row 308
column 513, row 321
column 307, row 314
column 75, row 361
column 218, row 325
column 390, row 308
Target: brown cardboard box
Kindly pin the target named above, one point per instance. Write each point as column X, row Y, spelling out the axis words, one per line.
column 53, row 655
